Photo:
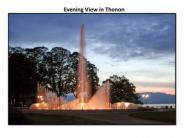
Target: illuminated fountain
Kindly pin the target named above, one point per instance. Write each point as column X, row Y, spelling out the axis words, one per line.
column 83, row 80
column 47, row 99
column 84, row 101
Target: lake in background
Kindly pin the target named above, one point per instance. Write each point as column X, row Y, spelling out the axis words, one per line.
column 159, row 105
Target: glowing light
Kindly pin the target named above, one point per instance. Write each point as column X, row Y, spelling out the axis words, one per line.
column 126, row 105
column 37, row 105
column 82, row 106
column 147, row 96
column 119, row 105
column 93, row 108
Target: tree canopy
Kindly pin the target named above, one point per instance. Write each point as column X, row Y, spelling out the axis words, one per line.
column 57, row 67
column 22, row 78
column 122, row 90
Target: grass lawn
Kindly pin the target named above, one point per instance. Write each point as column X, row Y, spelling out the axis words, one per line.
column 16, row 117
column 40, row 119
column 165, row 116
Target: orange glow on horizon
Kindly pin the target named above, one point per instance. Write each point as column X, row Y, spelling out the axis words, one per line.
column 156, row 89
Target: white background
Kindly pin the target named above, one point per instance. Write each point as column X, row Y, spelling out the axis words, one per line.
column 56, row 6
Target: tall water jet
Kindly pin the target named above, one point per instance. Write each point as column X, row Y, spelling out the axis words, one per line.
column 83, row 80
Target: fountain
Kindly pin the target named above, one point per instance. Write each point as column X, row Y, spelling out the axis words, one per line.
column 46, row 99
column 101, row 99
column 83, row 80
column 84, row 101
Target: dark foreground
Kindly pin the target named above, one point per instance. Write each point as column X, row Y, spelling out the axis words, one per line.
column 97, row 117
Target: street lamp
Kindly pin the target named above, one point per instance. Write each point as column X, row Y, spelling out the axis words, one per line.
column 145, row 97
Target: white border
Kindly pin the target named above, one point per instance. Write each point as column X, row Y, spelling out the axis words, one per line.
column 51, row 6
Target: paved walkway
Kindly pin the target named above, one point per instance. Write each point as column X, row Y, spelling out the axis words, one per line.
column 118, row 117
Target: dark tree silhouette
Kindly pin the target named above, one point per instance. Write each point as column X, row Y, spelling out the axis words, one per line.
column 57, row 67
column 22, row 80
column 122, row 90
column 92, row 70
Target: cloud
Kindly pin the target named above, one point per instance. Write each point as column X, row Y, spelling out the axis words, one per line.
column 120, row 36
column 46, row 27
column 145, row 37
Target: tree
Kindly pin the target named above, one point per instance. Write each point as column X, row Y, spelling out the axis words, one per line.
column 62, row 69
column 122, row 90
column 48, row 71
column 37, row 55
column 74, row 58
column 17, row 50
column 92, row 70
column 22, row 79
column 57, row 67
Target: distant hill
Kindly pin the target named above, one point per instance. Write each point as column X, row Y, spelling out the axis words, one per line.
column 158, row 98
column 154, row 98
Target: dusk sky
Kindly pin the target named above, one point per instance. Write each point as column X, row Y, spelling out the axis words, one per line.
column 139, row 46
